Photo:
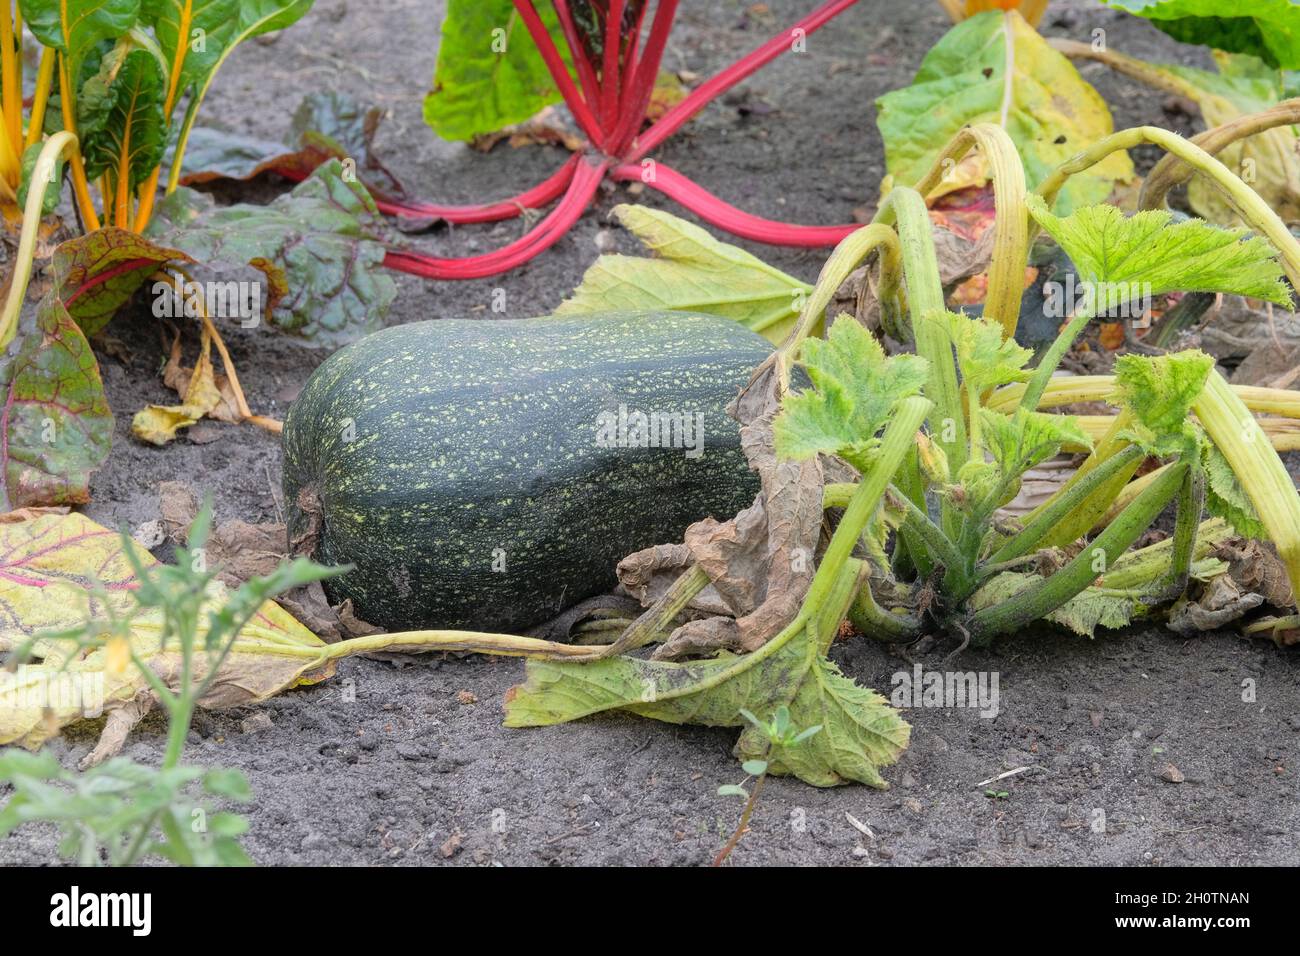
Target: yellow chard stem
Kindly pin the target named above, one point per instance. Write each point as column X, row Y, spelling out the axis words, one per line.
column 80, row 187
column 13, row 82
column 44, row 80
column 41, row 173
column 1257, row 466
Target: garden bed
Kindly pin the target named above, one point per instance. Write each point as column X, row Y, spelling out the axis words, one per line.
column 418, row 768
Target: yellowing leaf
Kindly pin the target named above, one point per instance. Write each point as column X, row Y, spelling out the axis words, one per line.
column 691, row 272
column 58, row 569
column 860, row 731
column 1047, row 109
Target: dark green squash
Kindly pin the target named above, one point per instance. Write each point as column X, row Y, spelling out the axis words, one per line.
column 472, row 473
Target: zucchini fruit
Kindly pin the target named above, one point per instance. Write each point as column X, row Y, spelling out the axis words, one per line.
column 489, row 474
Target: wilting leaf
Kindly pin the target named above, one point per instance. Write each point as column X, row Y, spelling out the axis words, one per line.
column 1268, row 29
column 1120, row 256
column 57, row 568
column 55, row 428
column 857, row 387
column 1226, row 498
column 1082, row 614
column 489, row 73
column 860, row 731
column 690, row 271
column 1048, row 110
column 95, row 274
column 75, row 27
column 327, row 125
column 321, row 247
column 158, row 424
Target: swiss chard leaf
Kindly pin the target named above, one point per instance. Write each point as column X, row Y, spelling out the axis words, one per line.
column 321, row 247
column 74, row 27
column 53, row 189
column 856, row 388
column 489, row 72
column 122, row 126
column 859, row 733
column 1268, row 29
column 1120, row 257
column 56, row 426
column 177, row 23
column 1047, row 109
column 692, row 272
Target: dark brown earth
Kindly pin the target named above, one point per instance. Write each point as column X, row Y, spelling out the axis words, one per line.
column 393, row 776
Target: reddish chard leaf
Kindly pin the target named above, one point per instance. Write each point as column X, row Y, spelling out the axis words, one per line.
column 96, row 273
column 55, row 427
column 321, row 248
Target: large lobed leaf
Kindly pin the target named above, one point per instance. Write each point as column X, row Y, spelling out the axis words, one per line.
column 320, row 246
column 690, row 271
column 860, row 731
column 856, row 388
column 1268, row 29
column 1145, row 253
column 1047, row 109
column 489, row 72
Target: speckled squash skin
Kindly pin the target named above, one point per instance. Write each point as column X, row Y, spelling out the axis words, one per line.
column 457, row 464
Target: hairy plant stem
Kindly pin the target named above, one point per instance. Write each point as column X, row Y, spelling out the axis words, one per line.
column 926, row 304
column 1045, row 596
column 1046, row 367
column 1011, row 219
column 1191, row 505
column 1061, row 506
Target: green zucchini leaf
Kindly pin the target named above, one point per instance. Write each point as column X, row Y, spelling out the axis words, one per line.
column 987, row 358
column 856, row 386
column 1268, row 29
column 1159, row 391
column 1022, row 440
column 859, row 733
column 321, row 248
column 1226, row 498
column 691, row 271
column 1047, row 109
column 1082, row 614
column 1120, row 258
column 489, row 72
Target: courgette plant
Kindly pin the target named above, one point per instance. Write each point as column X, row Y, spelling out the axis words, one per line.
column 941, row 439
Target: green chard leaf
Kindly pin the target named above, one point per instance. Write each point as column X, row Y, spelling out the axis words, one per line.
column 1159, row 391
column 855, row 388
column 1121, row 258
column 859, row 733
column 1268, row 29
column 53, row 189
column 1048, row 110
column 489, row 72
column 691, row 271
column 121, row 119
column 321, row 248
column 177, row 24
column 75, row 27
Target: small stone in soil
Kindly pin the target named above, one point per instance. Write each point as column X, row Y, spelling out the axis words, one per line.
column 1171, row 774
column 256, row 723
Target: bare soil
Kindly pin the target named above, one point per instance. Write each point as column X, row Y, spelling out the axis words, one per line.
column 409, row 774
